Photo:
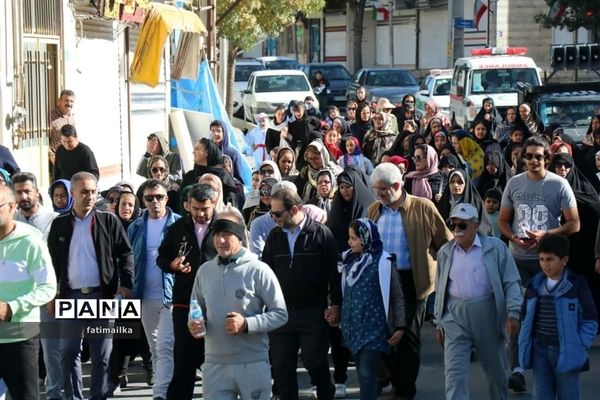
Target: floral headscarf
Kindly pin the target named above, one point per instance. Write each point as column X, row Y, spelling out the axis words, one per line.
column 471, row 152
column 353, row 263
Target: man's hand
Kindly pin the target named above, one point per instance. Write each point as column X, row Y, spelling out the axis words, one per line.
column 5, row 312
column 179, row 265
column 124, row 292
column 526, row 243
column 332, row 315
column 396, row 337
column 196, row 327
column 235, row 323
column 512, row 327
column 439, row 336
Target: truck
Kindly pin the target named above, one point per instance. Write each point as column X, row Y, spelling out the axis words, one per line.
column 572, row 105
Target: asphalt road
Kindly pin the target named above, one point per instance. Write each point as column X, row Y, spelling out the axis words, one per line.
column 430, row 384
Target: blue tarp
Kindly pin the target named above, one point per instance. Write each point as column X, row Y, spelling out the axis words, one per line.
column 202, row 95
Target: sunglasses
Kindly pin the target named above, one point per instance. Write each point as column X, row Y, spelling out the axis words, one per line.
column 266, row 171
column 538, row 157
column 351, row 108
column 461, row 225
column 150, row 197
column 563, row 164
column 419, row 158
column 277, row 214
column 264, row 192
column 158, row 169
column 183, row 250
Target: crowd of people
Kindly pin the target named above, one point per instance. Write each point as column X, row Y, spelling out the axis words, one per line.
column 358, row 229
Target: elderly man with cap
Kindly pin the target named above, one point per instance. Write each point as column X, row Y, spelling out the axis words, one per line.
column 255, row 140
column 241, row 300
column 478, row 299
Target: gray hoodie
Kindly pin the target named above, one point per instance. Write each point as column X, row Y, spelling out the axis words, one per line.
column 246, row 286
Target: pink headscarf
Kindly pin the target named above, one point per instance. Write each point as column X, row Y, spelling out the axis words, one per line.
column 420, row 185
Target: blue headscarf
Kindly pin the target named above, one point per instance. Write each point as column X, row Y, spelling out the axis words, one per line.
column 67, row 185
column 354, row 263
column 5, row 175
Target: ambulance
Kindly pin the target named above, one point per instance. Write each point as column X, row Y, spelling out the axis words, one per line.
column 490, row 72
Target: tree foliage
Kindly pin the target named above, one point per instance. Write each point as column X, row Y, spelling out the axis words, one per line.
column 252, row 20
column 574, row 14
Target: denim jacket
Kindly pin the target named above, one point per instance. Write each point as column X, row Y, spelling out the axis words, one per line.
column 137, row 235
column 576, row 319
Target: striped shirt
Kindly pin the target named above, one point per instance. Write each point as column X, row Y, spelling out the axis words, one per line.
column 393, row 236
column 546, row 324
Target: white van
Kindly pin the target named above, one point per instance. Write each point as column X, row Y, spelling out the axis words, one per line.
column 490, row 72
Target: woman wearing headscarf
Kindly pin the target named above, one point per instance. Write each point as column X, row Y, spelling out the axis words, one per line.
column 264, row 203
column 425, row 181
column 483, row 136
column 435, row 126
column 581, row 254
column 326, row 189
column 469, row 150
column 60, row 194
column 432, row 111
column 489, row 115
column 341, row 126
column 361, row 96
column 278, row 123
column 594, row 124
column 207, row 158
column 317, row 158
column 301, row 132
column 158, row 168
column 512, row 155
column 379, row 139
column 460, row 189
column 406, row 111
column 353, row 156
column 508, row 125
column 401, row 145
column 362, row 125
column 370, row 287
column 530, row 120
column 220, row 136
column 495, row 174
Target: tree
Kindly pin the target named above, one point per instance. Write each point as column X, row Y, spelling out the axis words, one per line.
column 572, row 15
column 251, row 20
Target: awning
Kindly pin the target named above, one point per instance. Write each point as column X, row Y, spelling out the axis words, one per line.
column 159, row 23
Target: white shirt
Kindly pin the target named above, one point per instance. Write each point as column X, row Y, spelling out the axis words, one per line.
column 153, row 282
column 41, row 220
column 83, row 267
column 468, row 278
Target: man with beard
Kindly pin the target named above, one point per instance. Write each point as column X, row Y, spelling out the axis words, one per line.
column 62, row 115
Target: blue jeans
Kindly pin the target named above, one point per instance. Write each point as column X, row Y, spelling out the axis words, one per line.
column 547, row 382
column 366, row 368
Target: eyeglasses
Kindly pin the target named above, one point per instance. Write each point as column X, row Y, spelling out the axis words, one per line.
column 461, row 225
column 419, row 158
column 266, row 171
column 151, row 197
column 277, row 214
column 264, row 192
column 538, row 157
column 158, row 169
column 563, row 164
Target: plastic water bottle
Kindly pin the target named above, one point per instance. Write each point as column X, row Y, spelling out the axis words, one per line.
column 196, row 315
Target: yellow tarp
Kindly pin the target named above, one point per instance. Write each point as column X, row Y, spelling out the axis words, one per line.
column 160, row 21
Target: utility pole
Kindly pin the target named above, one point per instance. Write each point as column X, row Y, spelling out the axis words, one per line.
column 487, row 29
column 391, row 19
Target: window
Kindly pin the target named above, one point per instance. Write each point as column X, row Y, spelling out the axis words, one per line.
column 332, row 72
column 281, row 83
column 442, row 87
column 242, row 72
column 569, row 113
column 501, row 80
column 390, row 78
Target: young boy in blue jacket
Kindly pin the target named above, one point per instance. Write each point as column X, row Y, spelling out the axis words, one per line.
column 558, row 324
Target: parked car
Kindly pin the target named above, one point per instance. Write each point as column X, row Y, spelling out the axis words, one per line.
column 268, row 89
column 391, row 83
column 243, row 69
column 436, row 87
column 278, row 62
column 338, row 78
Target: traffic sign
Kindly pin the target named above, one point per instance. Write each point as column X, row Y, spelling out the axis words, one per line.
column 460, row 23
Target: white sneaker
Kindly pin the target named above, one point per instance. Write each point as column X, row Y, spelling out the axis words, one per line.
column 313, row 392
column 340, row 391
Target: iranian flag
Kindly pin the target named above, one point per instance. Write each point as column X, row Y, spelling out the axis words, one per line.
column 380, row 13
column 478, row 10
column 557, row 10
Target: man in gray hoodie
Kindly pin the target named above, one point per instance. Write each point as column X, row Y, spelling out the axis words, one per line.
column 241, row 301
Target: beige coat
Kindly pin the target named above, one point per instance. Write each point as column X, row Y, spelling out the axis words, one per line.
column 426, row 232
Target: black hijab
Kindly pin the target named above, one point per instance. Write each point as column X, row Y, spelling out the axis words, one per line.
column 471, row 196
column 397, row 148
column 360, row 128
column 498, row 181
column 495, row 118
column 343, row 212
